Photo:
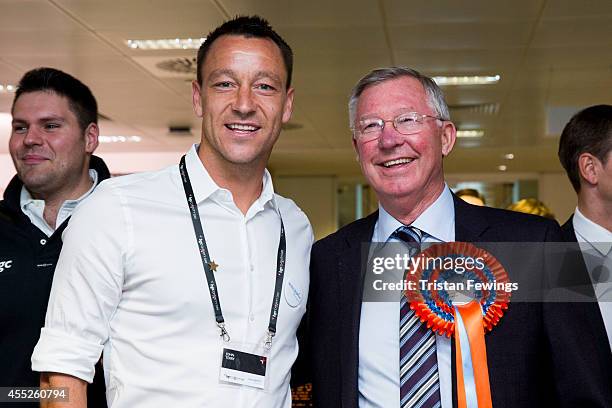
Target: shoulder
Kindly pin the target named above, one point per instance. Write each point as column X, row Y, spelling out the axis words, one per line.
column 290, row 211
column 506, row 224
column 140, row 181
column 8, row 219
column 295, row 220
column 110, row 197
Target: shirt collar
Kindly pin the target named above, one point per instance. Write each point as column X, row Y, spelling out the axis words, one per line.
column 26, row 198
column 592, row 232
column 434, row 221
column 204, row 186
column 34, row 208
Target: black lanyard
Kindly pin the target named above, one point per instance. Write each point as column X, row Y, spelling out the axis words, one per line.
column 206, row 263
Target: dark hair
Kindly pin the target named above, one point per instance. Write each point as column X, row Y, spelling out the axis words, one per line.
column 589, row 131
column 80, row 99
column 249, row 27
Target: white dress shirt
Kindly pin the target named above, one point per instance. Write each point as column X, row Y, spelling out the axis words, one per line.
column 379, row 328
column 35, row 209
column 130, row 282
column 596, row 245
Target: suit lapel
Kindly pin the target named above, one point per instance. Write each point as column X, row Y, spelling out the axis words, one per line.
column 351, row 273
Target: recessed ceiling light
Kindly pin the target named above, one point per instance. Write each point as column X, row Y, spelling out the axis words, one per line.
column 7, row 88
column 470, row 133
column 466, row 80
column 509, row 156
column 167, row 44
column 119, row 139
column 502, row 167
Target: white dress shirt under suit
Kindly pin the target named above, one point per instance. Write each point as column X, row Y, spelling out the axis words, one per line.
column 379, row 329
column 130, row 282
column 596, row 243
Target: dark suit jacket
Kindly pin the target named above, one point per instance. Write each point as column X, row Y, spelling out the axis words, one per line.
column 567, row 229
column 540, row 354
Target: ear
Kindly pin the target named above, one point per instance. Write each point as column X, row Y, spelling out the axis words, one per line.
column 91, row 137
column 288, row 108
column 196, row 98
column 448, row 137
column 587, row 167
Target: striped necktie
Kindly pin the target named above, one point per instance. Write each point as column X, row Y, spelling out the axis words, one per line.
column 419, row 385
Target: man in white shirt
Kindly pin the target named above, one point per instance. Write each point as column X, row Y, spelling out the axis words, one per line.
column 585, row 151
column 54, row 133
column 192, row 279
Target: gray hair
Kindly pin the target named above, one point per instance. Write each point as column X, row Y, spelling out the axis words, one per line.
column 435, row 97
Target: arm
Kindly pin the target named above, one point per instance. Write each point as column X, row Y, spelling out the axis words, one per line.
column 86, row 289
column 77, row 390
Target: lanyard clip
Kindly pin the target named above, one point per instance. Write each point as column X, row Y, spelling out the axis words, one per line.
column 268, row 342
column 224, row 333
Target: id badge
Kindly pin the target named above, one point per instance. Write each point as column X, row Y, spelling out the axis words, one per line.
column 241, row 365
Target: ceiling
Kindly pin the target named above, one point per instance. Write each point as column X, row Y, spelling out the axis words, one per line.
column 549, row 53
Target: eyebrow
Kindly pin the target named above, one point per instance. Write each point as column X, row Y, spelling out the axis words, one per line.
column 258, row 75
column 40, row 120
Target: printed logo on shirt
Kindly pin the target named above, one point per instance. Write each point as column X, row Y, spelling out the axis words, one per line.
column 5, row 265
column 293, row 294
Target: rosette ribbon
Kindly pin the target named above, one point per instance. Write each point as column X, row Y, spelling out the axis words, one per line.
column 467, row 322
column 473, row 388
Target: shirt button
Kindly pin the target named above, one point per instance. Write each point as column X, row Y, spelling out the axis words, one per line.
column 252, row 267
column 251, row 318
column 43, row 241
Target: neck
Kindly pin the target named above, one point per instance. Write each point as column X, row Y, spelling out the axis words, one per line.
column 244, row 181
column 595, row 209
column 409, row 208
column 54, row 200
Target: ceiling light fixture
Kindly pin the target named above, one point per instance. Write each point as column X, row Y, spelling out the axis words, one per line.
column 7, row 88
column 509, row 156
column 167, row 44
column 119, row 139
column 502, row 167
column 466, row 80
column 470, row 133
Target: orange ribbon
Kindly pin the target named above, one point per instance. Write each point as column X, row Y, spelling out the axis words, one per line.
column 471, row 314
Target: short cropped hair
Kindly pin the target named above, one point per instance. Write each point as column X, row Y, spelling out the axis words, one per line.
column 249, row 27
column 589, row 131
column 80, row 99
column 432, row 90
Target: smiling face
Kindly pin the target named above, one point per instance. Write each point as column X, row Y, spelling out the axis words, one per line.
column 49, row 149
column 243, row 101
column 404, row 167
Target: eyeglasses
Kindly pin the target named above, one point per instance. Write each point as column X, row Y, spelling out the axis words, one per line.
column 406, row 124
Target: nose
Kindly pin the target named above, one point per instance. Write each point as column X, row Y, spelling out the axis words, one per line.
column 33, row 137
column 389, row 137
column 244, row 105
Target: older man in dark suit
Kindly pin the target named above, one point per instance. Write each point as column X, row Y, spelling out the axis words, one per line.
column 378, row 354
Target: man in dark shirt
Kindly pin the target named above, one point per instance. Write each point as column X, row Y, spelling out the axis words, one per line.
column 54, row 133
